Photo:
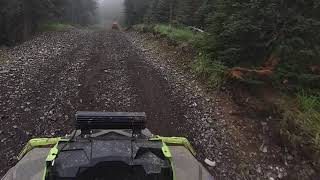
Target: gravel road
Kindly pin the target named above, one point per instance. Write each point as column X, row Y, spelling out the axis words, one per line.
column 54, row 75
column 47, row 79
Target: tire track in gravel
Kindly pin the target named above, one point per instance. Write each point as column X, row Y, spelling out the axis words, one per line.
column 117, row 79
column 154, row 95
column 104, row 84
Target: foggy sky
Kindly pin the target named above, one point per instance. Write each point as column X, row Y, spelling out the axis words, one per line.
column 110, row 11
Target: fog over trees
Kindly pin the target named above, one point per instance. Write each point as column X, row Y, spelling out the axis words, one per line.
column 19, row 19
column 110, row 11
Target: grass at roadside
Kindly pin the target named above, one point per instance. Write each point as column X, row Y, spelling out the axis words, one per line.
column 178, row 35
column 55, row 26
column 301, row 123
column 211, row 71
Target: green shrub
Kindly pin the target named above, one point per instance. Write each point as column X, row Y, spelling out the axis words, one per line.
column 138, row 27
column 143, row 28
column 308, row 102
column 179, row 35
column 55, row 26
column 210, row 70
column 247, row 33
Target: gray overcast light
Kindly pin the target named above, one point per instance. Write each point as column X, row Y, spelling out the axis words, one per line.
column 109, row 11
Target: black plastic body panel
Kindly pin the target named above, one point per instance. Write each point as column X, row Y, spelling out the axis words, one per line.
column 111, row 159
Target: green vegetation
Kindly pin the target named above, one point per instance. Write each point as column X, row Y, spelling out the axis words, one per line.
column 266, row 43
column 179, row 35
column 176, row 34
column 55, row 27
column 281, row 36
column 308, row 102
column 212, row 71
column 301, row 124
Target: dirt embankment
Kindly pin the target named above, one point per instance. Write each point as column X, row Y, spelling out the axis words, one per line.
column 49, row 78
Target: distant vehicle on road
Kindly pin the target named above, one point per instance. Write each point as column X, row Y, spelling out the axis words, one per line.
column 115, row 26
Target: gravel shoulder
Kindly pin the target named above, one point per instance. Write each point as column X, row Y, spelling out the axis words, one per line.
column 47, row 79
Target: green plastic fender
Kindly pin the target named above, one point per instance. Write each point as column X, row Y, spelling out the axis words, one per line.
column 52, row 156
column 173, row 140
column 38, row 142
column 176, row 140
column 41, row 142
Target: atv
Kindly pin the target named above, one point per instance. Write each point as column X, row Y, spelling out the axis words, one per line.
column 115, row 26
column 108, row 146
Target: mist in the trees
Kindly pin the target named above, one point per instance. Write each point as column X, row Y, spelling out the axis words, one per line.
column 110, row 11
column 19, row 19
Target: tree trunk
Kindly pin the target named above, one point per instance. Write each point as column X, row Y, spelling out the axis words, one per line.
column 27, row 20
column 171, row 12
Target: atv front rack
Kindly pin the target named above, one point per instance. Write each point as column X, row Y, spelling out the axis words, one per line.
column 110, row 120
